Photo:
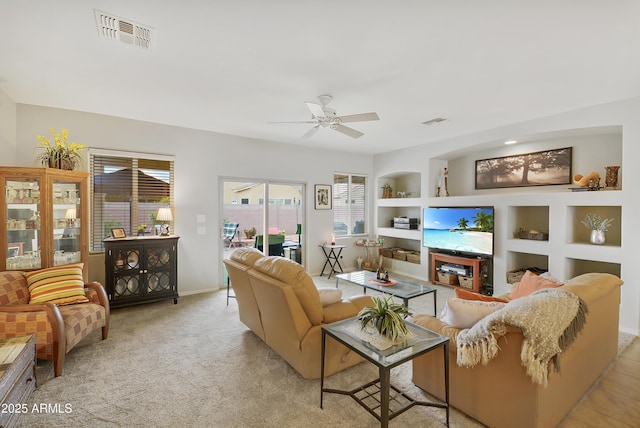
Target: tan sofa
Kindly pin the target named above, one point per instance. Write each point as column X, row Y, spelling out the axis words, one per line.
column 280, row 303
column 501, row 394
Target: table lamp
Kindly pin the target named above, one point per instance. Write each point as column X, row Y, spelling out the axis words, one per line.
column 70, row 216
column 164, row 215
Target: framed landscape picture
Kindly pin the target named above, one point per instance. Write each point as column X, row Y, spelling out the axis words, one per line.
column 323, row 196
column 543, row 168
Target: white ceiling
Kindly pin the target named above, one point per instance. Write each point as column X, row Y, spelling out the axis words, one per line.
column 233, row 66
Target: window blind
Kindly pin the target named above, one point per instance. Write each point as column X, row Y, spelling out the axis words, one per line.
column 349, row 204
column 126, row 192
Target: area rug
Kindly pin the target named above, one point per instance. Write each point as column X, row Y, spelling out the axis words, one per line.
column 195, row 364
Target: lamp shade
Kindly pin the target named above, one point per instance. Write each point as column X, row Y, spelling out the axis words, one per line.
column 70, row 214
column 164, row 214
column 299, row 229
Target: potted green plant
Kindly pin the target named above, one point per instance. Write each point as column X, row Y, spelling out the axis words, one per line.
column 387, row 191
column 386, row 316
column 250, row 233
column 59, row 154
column 598, row 227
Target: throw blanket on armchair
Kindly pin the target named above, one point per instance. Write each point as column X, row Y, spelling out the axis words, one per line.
column 550, row 320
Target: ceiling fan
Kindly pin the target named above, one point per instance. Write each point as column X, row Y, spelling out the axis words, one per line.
column 325, row 117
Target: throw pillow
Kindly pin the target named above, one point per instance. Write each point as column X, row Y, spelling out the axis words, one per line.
column 60, row 285
column 329, row 296
column 529, row 283
column 461, row 313
column 461, row 293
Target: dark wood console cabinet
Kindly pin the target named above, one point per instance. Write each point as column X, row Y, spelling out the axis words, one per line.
column 141, row 269
column 475, row 262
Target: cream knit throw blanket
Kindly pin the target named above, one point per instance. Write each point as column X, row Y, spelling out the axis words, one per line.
column 550, row 320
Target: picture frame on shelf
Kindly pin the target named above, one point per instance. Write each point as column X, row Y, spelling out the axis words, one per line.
column 323, row 196
column 543, row 168
column 118, row 233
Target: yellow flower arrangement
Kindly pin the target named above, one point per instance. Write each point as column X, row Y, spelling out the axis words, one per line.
column 60, row 154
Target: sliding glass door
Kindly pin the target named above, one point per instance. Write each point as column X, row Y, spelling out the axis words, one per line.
column 265, row 212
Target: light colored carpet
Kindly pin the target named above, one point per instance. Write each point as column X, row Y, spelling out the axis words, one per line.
column 195, row 364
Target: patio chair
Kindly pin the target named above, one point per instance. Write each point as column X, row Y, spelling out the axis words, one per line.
column 231, row 231
column 275, row 244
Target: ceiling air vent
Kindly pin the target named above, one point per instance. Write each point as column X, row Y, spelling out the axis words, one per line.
column 123, row 30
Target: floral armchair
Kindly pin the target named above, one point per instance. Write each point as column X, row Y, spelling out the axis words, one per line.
column 59, row 321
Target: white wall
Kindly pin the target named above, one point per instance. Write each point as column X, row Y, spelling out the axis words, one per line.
column 622, row 113
column 201, row 159
column 7, row 129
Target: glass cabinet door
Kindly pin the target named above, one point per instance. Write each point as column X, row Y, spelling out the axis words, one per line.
column 66, row 223
column 22, row 196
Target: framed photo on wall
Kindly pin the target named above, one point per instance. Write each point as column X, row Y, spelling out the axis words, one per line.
column 543, row 168
column 118, row 233
column 323, row 196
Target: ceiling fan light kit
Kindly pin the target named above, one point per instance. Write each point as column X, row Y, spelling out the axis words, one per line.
column 326, row 117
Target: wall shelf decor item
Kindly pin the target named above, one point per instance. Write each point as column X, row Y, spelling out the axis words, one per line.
column 118, row 233
column 542, row 168
column 323, row 196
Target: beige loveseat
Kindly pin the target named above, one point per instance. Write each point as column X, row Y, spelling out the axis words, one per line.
column 500, row 394
column 280, row 303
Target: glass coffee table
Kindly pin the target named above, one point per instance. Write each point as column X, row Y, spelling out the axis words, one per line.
column 405, row 290
column 376, row 396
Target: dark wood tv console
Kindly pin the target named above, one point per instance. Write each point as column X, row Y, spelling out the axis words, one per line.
column 438, row 259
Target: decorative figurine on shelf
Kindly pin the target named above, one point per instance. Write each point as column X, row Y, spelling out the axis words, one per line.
column 442, row 189
column 591, row 180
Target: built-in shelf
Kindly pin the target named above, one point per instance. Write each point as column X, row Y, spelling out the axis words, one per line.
column 554, row 211
column 405, row 202
column 404, row 184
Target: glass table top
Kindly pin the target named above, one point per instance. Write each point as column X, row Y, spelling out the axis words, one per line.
column 419, row 341
column 401, row 288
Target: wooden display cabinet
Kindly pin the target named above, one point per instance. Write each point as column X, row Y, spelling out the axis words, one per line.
column 43, row 218
column 141, row 269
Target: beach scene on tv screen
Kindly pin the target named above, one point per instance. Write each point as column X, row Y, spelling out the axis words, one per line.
column 459, row 229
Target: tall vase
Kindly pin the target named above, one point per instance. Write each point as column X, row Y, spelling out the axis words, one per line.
column 611, row 178
column 597, row 237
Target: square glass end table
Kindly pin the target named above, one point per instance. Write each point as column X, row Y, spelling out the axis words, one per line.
column 375, row 396
column 404, row 290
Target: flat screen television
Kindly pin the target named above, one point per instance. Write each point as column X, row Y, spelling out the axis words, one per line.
column 459, row 230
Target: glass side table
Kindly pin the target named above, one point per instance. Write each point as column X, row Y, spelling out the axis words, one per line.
column 375, row 396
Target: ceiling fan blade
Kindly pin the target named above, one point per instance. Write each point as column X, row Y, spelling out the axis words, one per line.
column 348, row 131
column 316, row 110
column 299, row 121
column 312, row 131
column 362, row 117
